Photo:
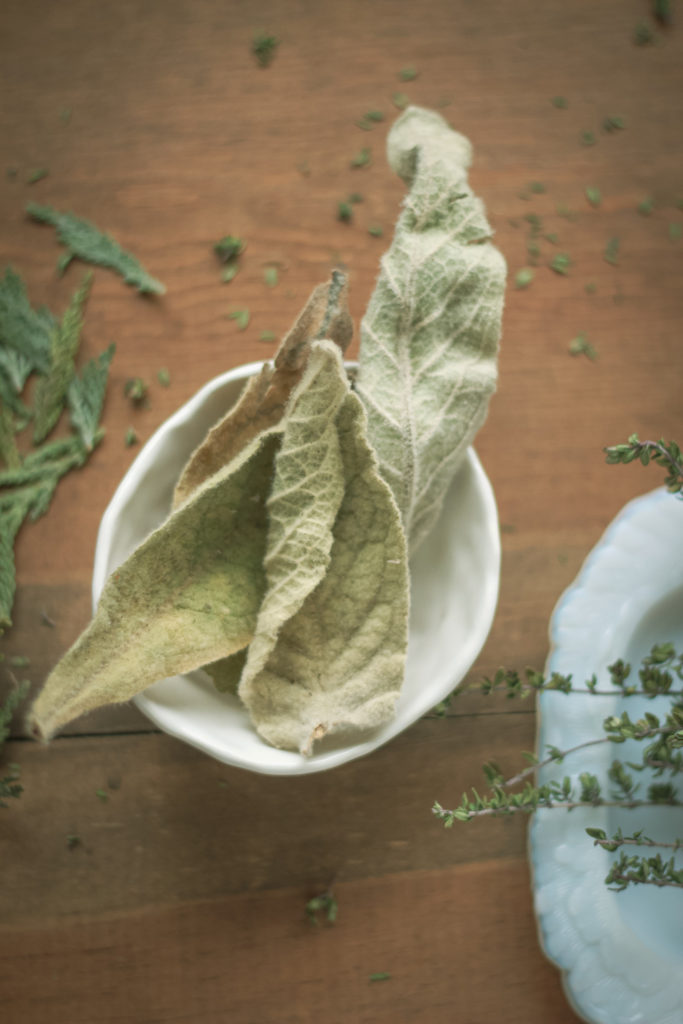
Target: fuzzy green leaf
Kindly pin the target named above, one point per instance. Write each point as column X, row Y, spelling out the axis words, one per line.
column 88, row 243
column 52, row 388
column 430, row 336
column 337, row 664
column 187, row 596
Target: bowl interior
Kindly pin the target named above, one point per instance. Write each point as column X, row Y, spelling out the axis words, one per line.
column 454, row 588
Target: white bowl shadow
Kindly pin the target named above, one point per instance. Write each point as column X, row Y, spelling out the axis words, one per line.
column 454, row 591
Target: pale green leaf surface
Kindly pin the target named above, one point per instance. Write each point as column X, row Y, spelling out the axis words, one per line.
column 189, row 595
column 307, row 491
column 429, row 339
column 87, row 242
column 337, row 664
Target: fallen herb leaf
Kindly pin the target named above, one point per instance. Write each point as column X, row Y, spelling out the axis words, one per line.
column 72, row 842
column 164, row 377
column 241, row 318
column 581, row 346
column 102, row 795
column 374, row 115
column 613, row 123
column 646, row 206
column 407, row 74
column 560, row 102
column 560, row 263
column 643, row 34
column 131, row 438
column 355, row 197
column 593, row 195
column 229, row 272
column 263, row 47
column 400, row 100
column 19, row 661
column 662, row 10
column 612, row 251
column 267, row 336
column 566, row 212
column 136, row 390
column 537, row 187
column 362, row 158
column 65, row 115
column 344, row 211
column 590, row 288
column 376, row 230
column 85, row 241
column 524, row 277
column 37, row 175
column 675, row 231
column 587, row 139
column 551, row 237
column 380, row 976
column 228, row 247
column 270, row 276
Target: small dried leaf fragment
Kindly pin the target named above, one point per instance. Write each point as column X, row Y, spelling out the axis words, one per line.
column 337, row 664
column 187, row 596
column 429, row 339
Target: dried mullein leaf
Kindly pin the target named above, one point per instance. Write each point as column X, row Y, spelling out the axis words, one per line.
column 187, row 596
column 429, row 340
column 226, row 672
column 308, row 487
column 265, row 397
column 337, row 664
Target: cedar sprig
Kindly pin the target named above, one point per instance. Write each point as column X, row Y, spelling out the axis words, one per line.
column 31, row 341
column 52, row 388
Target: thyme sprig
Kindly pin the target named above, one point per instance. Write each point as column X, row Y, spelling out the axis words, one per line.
column 667, row 455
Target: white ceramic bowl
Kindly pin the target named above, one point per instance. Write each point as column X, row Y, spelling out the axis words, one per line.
column 621, row 953
column 454, row 589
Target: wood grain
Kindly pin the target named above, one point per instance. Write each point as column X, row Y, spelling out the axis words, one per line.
column 184, row 900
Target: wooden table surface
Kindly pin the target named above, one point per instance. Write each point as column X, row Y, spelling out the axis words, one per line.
column 184, row 900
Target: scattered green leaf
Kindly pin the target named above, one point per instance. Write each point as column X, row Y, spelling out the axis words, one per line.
column 136, row 390
column 344, row 211
column 646, row 206
column 362, row 158
column 164, row 377
column 524, row 277
column 230, row 271
column 131, row 438
column 376, row 230
column 408, row 74
column 400, row 100
column 380, row 976
column 613, row 123
column 267, row 336
column 560, row 102
column 675, row 231
column 560, row 263
column 587, row 139
column 537, row 187
column 86, row 398
column 567, row 212
column 270, row 276
column 73, row 841
column 324, row 904
column 263, row 47
column 355, row 197
column 612, row 251
column 551, row 237
column 662, row 10
column 65, row 115
column 581, row 346
column 37, row 175
column 590, row 288
column 643, row 34
column 102, row 795
column 241, row 318
column 228, row 247
column 593, row 195
column 85, row 241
